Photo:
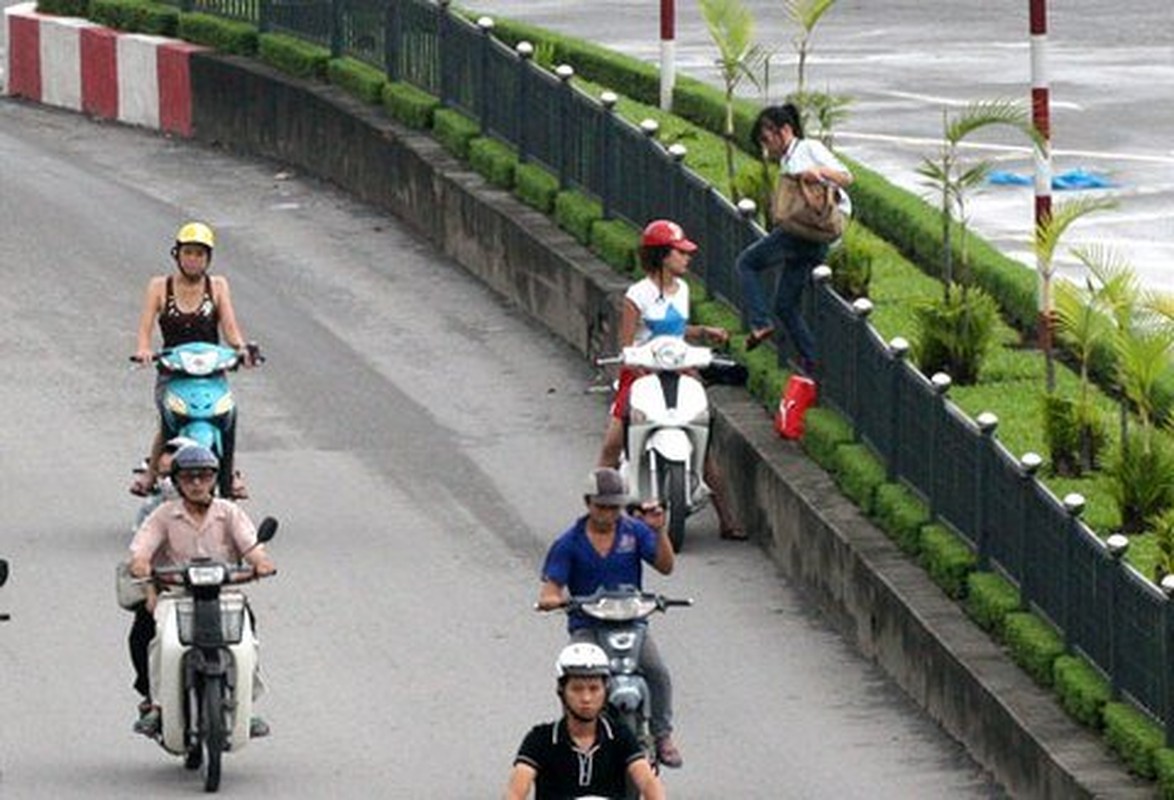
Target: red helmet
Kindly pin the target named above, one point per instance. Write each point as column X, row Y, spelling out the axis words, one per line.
column 666, row 233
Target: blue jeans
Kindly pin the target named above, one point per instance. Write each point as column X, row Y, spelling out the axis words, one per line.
column 797, row 257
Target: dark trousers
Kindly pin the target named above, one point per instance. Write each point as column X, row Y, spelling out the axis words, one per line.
column 142, row 631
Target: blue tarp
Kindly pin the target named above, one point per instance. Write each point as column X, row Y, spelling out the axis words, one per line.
column 1072, row 179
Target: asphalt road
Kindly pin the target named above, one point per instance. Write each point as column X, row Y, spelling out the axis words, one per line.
column 421, row 444
column 904, row 61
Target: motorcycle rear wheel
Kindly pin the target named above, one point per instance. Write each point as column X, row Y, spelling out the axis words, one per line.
column 212, row 730
column 674, row 493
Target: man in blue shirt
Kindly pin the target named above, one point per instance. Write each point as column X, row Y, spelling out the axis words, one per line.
column 607, row 549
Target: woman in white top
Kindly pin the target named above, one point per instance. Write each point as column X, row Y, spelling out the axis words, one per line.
column 779, row 133
column 658, row 305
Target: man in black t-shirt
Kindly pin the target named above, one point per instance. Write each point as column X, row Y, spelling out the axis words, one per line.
column 584, row 754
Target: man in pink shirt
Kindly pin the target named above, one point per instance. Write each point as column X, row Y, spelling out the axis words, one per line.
column 195, row 524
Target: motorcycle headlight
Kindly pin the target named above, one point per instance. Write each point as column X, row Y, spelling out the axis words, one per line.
column 206, row 575
column 176, row 405
column 223, row 405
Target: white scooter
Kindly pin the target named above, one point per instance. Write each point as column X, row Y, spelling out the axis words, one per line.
column 203, row 661
column 667, row 427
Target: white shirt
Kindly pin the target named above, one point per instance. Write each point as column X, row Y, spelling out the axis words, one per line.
column 660, row 314
column 805, row 154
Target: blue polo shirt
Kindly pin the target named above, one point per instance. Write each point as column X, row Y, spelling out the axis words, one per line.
column 574, row 563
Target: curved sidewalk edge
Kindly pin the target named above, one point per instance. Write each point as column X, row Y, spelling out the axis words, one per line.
column 879, row 599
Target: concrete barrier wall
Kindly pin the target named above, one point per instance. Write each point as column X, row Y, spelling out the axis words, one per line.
column 75, row 64
column 882, row 602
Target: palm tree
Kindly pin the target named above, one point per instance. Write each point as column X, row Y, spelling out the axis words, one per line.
column 952, row 179
column 731, row 26
column 806, row 14
column 828, row 109
column 1047, row 239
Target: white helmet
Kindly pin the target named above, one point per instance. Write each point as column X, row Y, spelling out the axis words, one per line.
column 581, row 660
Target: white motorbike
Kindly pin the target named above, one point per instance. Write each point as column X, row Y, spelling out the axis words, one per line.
column 203, row 661
column 667, row 426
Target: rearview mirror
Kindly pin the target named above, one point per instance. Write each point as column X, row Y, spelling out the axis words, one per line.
column 3, row 572
column 266, row 530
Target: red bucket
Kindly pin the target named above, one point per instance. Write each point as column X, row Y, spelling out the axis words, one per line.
column 799, row 395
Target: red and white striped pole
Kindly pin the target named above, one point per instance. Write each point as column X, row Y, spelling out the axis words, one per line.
column 668, row 66
column 1040, row 102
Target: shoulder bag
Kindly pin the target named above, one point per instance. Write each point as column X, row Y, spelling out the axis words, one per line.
column 807, row 209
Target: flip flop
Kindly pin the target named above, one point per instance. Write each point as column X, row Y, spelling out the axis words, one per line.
column 757, row 337
column 734, row 535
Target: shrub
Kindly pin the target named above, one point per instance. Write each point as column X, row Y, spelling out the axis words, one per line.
column 1131, row 734
column 1082, row 690
column 224, row 35
column 292, row 56
column 65, row 8
column 454, row 131
column 409, row 105
column 954, row 333
column 362, row 80
column 989, row 599
column 616, row 242
column 494, row 160
column 535, row 186
column 901, row 514
column 1143, row 482
column 852, row 262
column 1034, row 645
column 947, row 559
column 136, row 16
column 576, row 213
column 858, row 473
column 825, row 430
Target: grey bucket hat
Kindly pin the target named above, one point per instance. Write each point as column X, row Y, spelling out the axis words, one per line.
column 606, row 487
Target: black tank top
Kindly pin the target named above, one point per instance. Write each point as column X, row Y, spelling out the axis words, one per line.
column 179, row 327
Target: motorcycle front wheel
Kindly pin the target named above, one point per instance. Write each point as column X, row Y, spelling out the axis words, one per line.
column 674, row 493
column 212, row 730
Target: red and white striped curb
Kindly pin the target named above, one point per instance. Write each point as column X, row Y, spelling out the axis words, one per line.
column 79, row 65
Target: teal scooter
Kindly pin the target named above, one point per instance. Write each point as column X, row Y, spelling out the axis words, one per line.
column 197, row 401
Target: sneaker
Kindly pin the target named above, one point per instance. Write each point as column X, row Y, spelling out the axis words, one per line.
column 149, row 720
column 667, row 753
column 258, row 728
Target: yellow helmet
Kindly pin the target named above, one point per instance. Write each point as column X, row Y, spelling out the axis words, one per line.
column 196, row 233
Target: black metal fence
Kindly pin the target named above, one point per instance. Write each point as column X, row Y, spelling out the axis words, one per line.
column 1103, row 609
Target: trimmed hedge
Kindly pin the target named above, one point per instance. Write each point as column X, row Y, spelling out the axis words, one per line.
column 1083, row 691
column 576, row 214
column 1134, row 737
column 535, row 186
column 989, row 599
column 65, row 8
column 901, row 514
column 454, row 131
column 825, row 430
column 136, row 16
column 411, row 106
column 225, row 35
column 362, row 80
column 493, row 160
column 858, row 473
column 947, row 559
column 617, row 243
column 295, row 57
column 1034, row 644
